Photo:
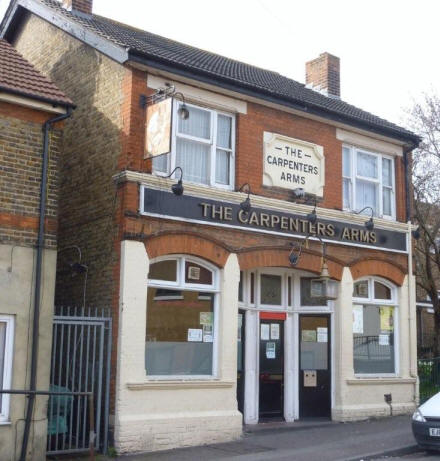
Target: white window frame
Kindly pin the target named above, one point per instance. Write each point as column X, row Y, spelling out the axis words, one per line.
column 379, row 183
column 7, row 371
column 185, row 286
column 372, row 301
column 171, row 158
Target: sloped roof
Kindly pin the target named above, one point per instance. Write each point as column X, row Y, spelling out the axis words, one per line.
column 236, row 75
column 18, row 76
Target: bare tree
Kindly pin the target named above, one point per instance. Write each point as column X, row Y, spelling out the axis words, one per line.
column 424, row 119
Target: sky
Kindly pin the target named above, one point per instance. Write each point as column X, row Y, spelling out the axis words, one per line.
column 389, row 49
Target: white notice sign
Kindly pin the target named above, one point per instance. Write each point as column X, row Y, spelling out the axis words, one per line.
column 322, row 335
column 195, row 334
column 384, row 340
column 291, row 163
column 264, row 332
column 358, row 319
column 274, row 331
column 270, row 350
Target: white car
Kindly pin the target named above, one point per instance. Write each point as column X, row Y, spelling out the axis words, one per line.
column 426, row 424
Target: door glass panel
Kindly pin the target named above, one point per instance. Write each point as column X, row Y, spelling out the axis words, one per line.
column 314, row 337
column 270, row 292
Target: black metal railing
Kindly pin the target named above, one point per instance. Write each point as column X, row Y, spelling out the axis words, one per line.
column 429, row 378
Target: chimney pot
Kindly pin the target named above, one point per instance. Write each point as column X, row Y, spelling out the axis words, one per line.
column 323, row 73
column 78, row 6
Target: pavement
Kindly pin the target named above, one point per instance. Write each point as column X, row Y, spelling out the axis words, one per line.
column 375, row 439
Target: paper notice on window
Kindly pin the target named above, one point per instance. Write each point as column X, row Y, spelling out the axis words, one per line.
column 386, row 318
column 195, row 335
column 240, row 320
column 205, row 318
column 322, row 334
column 274, row 331
column 384, row 340
column 308, row 336
column 358, row 319
column 270, row 350
column 264, row 331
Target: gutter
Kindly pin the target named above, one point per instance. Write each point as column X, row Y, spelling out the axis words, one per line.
column 38, row 275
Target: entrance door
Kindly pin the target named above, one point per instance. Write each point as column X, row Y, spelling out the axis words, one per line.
column 240, row 360
column 314, row 374
column 271, row 368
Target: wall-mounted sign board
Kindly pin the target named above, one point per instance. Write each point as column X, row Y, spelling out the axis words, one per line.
column 158, row 128
column 290, row 163
column 187, row 208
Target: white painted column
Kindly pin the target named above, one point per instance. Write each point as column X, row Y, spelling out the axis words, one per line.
column 343, row 340
column 132, row 317
column 290, row 351
column 251, row 368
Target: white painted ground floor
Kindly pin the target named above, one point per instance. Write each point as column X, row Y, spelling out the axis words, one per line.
column 203, row 348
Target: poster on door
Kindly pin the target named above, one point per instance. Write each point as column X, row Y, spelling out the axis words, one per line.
column 270, row 350
column 274, row 331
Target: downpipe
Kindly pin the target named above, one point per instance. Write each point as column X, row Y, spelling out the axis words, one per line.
column 37, row 292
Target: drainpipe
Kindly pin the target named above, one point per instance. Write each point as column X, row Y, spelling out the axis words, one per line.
column 411, row 318
column 40, row 245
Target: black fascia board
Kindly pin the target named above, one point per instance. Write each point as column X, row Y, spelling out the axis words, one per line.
column 53, row 102
column 226, row 84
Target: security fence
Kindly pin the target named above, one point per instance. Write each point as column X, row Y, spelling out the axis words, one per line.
column 429, row 378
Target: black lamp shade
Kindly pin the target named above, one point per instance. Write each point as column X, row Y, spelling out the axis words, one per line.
column 245, row 205
column 293, row 259
column 416, row 233
column 183, row 112
column 312, row 217
column 369, row 225
column 177, row 188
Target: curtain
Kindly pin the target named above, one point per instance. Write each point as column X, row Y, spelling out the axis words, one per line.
column 346, row 186
column 366, row 165
column 198, row 124
column 222, row 167
column 224, row 131
column 2, row 356
column 160, row 163
column 346, row 162
column 366, row 195
column 193, row 158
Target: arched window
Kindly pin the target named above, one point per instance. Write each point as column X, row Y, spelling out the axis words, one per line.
column 181, row 330
column 374, row 327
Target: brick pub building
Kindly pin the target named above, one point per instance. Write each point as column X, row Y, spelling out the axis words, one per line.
column 217, row 294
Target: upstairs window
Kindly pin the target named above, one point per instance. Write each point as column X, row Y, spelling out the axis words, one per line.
column 203, row 146
column 368, row 180
column 6, row 357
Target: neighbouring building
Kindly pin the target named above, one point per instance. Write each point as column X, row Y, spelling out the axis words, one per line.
column 223, row 311
column 28, row 101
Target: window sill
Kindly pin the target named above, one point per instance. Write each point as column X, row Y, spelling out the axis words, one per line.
column 180, row 384
column 379, row 380
column 5, row 423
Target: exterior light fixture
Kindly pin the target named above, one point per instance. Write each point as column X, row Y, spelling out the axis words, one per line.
column 324, row 286
column 183, row 111
column 245, row 205
column 177, row 188
column 416, row 233
column 295, row 253
column 299, row 192
column 369, row 225
column 312, row 217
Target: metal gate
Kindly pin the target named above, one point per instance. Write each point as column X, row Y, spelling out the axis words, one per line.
column 81, row 349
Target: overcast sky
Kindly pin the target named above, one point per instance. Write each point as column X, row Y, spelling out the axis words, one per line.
column 389, row 49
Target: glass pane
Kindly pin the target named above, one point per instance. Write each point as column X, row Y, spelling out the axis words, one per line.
column 306, row 298
column 240, row 287
column 314, row 343
column 222, row 167
column 179, row 334
column 367, row 165
column 360, row 289
column 289, row 291
column 224, row 125
column 252, row 288
column 346, row 162
column 160, row 163
column 366, row 195
column 386, row 198
column 381, row 291
column 197, row 274
column 2, row 356
column 373, row 339
column 240, row 351
column 193, row 158
column 270, row 289
column 164, row 270
column 387, row 176
column 198, row 123
column 346, row 187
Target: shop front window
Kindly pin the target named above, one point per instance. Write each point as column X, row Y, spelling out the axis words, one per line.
column 374, row 328
column 181, row 319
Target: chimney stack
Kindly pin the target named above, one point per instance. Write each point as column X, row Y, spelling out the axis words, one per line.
column 78, row 6
column 323, row 74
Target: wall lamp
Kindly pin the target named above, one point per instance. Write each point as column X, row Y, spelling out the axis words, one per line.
column 183, row 111
column 245, row 205
column 163, row 93
column 369, row 225
column 177, row 188
column 300, row 193
column 416, row 233
column 312, row 217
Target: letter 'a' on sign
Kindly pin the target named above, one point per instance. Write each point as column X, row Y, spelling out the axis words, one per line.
column 158, row 128
column 291, row 163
